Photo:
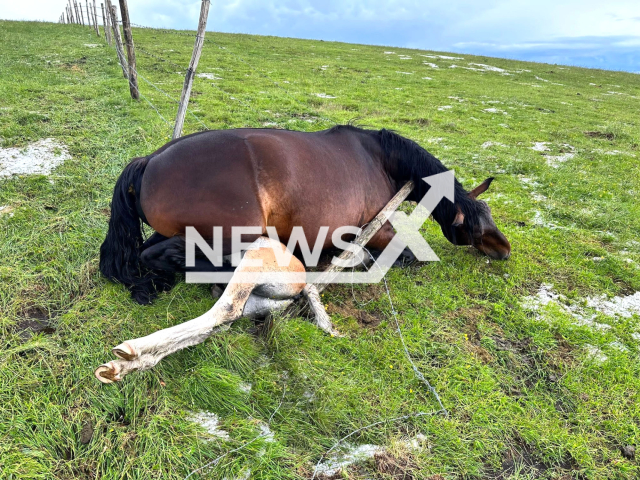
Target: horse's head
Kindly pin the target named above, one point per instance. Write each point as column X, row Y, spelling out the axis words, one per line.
column 479, row 230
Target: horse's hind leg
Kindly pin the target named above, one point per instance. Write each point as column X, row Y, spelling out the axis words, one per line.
column 143, row 353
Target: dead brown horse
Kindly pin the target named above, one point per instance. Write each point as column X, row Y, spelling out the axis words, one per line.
column 264, row 177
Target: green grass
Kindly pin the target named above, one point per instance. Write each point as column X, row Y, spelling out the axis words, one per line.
column 526, row 398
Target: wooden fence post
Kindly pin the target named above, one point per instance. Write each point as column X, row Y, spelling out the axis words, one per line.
column 95, row 18
column 191, row 71
column 79, row 5
column 73, row 20
column 118, row 39
column 105, row 25
column 131, row 53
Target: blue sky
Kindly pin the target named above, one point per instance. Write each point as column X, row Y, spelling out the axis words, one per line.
column 591, row 33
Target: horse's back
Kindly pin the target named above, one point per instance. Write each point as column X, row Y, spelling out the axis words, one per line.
column 260, row 177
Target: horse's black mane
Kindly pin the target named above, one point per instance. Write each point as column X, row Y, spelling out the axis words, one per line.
column 405, row 160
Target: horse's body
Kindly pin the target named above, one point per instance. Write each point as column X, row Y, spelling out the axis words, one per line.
column 263, row 177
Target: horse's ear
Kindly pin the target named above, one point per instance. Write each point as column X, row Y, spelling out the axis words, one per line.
column 459, row 220
column 480, row 188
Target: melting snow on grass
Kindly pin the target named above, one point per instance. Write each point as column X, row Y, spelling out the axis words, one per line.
column 443, row 57
column 210, row 422
column 540, row 147
column 336, row 463
column 444, row 107
column 582, row 313
column 208, row 76
column 555, row 160
column 324, row 95
column 492, row 144
column 596, row 354
column 494, row 110
column 38, row 158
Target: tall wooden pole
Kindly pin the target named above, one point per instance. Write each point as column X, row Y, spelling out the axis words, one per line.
column 131, row 53
column 81, row 12
column 191, row 71
column 95, row 18
column 118, row 39
column 105, row 25
column 73, row 20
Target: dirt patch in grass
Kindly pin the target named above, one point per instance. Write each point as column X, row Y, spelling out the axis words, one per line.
column 37, row 321
column 596, row 134
column 364, row 318
column 399, row 468
column 523, row 459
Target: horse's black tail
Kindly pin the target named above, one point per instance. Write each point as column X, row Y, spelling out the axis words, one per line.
column 120, row 251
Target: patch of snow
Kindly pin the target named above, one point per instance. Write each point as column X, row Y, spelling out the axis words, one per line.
column 6, row 210
column 389, row 53
column 38, row 158
column 432, row 65
column 324, row 67
column 616, row 306
column 541, row 79
column 210, row 422
column 324, row 95
column 494, row 110
column 404, row 57
column 245, row 387
column 244, row 475
column 636, row 336
column 427, row 78
column 555, row 160
column 444, row 57
column 405, row 73
column 435, row 140
column 92, row 45
column 492, row 144
column 618, row 346
column 266, row 432
column 490, row 68
column 445, row 107
column 208, row 76
column 457, row 98
column 336, row 463
column 540, row 147
column 596, row 354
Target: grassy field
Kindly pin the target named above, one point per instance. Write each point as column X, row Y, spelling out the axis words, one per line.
column 535, row 358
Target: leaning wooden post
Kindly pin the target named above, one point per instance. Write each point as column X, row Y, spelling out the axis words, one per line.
column 118, row 40
column 191, row 71
column 81, row 12
column 105, row 25
column 95, row 18
column 131, row 53
column 73, row 20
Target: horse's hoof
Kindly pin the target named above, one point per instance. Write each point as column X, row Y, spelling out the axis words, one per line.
column 125, row 352
column 108, row 373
